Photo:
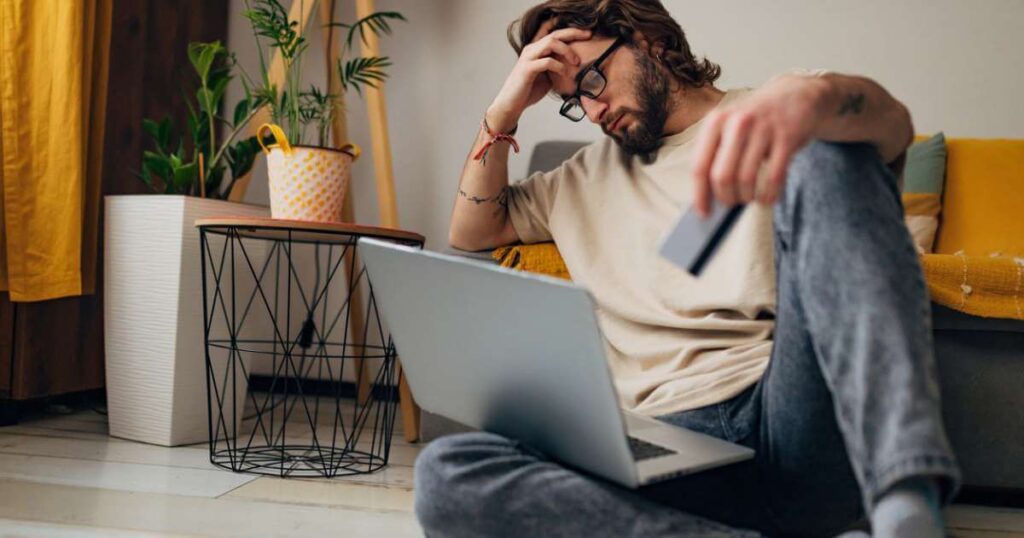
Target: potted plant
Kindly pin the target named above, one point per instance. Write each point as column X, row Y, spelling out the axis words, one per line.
column 155, row 369
column 309, row 182
column 154, row 346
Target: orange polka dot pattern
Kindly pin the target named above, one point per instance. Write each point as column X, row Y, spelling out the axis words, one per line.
column 309, row 184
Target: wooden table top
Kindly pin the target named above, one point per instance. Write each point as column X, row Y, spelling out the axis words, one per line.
column 305, row 231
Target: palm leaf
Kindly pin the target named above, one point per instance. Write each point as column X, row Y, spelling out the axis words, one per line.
column 377, row 23
column 270, row 19
column 368, row 70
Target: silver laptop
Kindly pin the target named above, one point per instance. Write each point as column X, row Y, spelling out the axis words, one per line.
column 522, row 356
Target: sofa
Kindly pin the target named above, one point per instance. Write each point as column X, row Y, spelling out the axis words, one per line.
column 980, row 358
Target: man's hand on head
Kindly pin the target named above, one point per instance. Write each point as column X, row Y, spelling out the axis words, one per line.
column 767, row 128
column 528, row 82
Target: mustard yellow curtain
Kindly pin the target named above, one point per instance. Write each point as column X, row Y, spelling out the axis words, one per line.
column 53, row 88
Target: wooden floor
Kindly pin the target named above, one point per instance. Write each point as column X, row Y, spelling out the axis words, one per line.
column 63, row 476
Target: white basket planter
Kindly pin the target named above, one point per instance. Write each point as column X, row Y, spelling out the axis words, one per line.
column 307, row 183
column 153, row 316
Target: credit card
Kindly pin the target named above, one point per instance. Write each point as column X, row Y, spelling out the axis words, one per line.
column 693, row 240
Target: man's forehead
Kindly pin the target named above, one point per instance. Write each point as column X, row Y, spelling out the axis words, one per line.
column 586, row 49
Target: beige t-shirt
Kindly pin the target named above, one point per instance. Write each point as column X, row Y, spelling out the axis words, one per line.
column 674, row 342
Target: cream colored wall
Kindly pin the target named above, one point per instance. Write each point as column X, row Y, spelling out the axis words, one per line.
column 956, row 64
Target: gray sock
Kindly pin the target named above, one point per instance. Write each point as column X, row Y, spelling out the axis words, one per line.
column 910, row 509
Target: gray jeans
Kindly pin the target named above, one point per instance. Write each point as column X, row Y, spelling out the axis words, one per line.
column 848, row 406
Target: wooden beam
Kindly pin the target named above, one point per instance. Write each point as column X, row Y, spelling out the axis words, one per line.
column 331, row 39
column 377, row 114
column 339, row 137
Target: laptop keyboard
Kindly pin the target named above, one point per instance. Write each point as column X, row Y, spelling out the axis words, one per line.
column 642, row 450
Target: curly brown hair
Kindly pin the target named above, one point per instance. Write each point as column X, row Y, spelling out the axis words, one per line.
column 625, row 19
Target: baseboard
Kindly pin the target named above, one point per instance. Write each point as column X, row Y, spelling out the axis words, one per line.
column 317, row 387
column 988, row 496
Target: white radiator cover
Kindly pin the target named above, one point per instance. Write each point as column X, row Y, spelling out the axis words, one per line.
column 153, row 308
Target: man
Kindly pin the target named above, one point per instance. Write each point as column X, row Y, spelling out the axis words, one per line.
column 807, row 338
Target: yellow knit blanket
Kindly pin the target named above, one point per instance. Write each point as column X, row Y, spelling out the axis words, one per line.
column 542, row 258
column 986, row 286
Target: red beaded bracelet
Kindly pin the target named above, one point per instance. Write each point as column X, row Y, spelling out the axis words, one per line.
column 481, row 154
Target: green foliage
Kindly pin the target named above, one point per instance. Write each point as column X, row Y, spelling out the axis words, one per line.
column 361, row 71
column 368, row 70
column 270, row 20
column 296, row 109
column 317, row 107
column 375, row 23
column 241, row 155
column 202, row 56
column 172, row 164
column 176, row 170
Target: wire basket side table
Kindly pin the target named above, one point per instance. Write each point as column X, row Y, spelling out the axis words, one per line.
column 292, row 298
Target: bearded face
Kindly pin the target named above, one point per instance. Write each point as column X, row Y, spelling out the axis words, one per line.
column 651, row 85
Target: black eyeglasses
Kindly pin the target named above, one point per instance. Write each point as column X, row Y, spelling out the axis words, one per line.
column 589, row 83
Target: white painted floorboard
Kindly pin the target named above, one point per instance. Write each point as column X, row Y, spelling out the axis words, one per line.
column 12, row 528
column 104, row 449
column 193, row 516
column 120, row 476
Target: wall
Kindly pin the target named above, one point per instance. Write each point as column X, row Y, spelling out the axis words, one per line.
column 956, row 64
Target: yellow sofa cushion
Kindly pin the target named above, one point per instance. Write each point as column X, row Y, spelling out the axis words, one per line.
column 983, row 205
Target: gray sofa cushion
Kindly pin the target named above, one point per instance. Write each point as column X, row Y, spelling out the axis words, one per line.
column 947, row 319
column 981, row 375
column 549, row 155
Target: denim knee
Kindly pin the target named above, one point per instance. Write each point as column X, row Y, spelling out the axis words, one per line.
column 829, row 182
column 836, row 159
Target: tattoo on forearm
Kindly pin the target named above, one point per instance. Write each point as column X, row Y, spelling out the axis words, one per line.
column 852, row 104
column 501, row 199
